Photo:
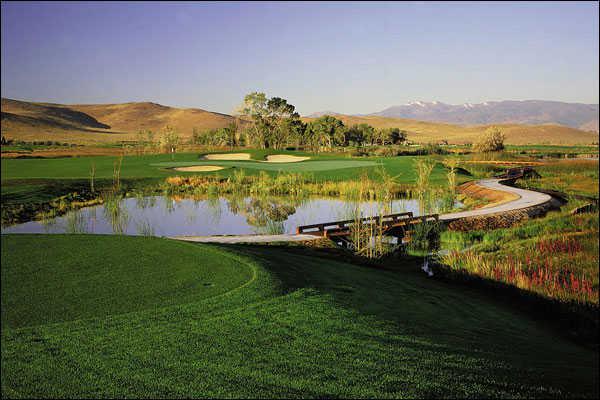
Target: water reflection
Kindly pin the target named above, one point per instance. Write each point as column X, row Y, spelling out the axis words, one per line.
column 210, row 215
column 76, row 222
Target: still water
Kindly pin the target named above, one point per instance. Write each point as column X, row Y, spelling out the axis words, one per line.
column 165, row 216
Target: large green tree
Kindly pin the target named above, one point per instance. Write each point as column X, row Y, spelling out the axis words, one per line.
column 325, row 131
column 254, row 108
column 360, row 134
column 271, row 120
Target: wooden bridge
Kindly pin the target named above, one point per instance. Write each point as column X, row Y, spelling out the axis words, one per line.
column 396, row 225
column 518, row 173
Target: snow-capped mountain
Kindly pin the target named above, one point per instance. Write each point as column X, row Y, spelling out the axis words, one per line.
column 576, row 115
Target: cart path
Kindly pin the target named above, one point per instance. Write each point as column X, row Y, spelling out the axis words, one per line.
column 526, row 198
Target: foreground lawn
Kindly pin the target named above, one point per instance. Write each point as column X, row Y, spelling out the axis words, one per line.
column 138, row 321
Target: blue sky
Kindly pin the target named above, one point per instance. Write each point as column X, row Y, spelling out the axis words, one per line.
column 346, row 57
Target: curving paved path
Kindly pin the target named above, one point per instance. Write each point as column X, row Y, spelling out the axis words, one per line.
column 527, row 198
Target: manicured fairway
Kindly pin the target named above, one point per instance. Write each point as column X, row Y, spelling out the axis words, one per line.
column 156, row 166
column 303, row 326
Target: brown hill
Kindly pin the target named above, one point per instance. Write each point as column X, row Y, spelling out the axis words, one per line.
column 105, row 123
column 131, row 117
column 96, row 123
column 423, row 132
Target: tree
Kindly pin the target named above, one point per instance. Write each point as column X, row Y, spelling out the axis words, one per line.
column 255, row 108
column 150, row 139
column 491, row 140
column 361, row 134
column 280, row 115
column 272, row 119
column 395, row 136
column 170, row 140
column 325, row 131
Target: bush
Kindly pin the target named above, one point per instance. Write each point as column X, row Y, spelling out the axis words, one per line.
column 492, row 140
column 385, row 152
column 433, row 148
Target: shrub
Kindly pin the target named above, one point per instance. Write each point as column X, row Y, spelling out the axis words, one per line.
column 492, row 140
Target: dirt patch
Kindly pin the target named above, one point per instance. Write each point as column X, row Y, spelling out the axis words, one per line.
column 199, row 168
column 284, row 158
column 227, row 156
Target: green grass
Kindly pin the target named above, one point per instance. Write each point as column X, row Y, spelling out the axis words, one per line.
column 154, row 166
column 304, row 326
column 65, row 288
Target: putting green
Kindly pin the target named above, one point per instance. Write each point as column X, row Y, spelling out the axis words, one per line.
column 291, row 167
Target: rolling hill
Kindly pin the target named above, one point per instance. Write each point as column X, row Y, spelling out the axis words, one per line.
column 97, row 123
column 111, row 123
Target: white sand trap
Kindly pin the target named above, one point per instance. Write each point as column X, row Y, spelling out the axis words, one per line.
column 284, row 158
column 199, row 168
column 227, row 156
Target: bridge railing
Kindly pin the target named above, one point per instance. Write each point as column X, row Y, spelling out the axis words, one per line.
column 401, row 223
column 336, row 225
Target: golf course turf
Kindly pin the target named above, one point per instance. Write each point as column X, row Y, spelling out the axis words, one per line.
column 158, row 166
column 273, row 322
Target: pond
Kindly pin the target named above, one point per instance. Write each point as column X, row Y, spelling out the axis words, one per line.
column 169, row 216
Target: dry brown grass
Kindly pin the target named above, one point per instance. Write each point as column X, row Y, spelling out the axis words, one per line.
column 100, row 123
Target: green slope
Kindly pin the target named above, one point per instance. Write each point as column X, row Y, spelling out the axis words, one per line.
column 303, row 327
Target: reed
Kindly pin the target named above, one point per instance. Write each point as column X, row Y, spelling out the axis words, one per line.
column 424, row 167
column 92, row 176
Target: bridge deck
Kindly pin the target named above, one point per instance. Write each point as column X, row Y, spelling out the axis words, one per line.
column 386, row 222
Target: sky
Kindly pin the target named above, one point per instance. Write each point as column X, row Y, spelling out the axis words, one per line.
column 353, row 57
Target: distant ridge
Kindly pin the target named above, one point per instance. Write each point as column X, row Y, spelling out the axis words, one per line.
column 110, row 123
column 322, row 113
column 575, row 115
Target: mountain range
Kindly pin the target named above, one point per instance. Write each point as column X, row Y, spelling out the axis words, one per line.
column 531, row 112
column 112, row 123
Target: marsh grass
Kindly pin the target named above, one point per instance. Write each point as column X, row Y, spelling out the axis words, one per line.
column 285, row 183
column 555, row 256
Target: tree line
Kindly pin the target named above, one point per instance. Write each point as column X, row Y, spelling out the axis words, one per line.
column 263, row 122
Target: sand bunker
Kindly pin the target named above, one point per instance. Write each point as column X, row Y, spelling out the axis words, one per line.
column 283, row 158
column 228, row 156
column 199, row 168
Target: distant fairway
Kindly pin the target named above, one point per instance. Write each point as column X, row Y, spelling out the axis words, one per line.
column 140, row 321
